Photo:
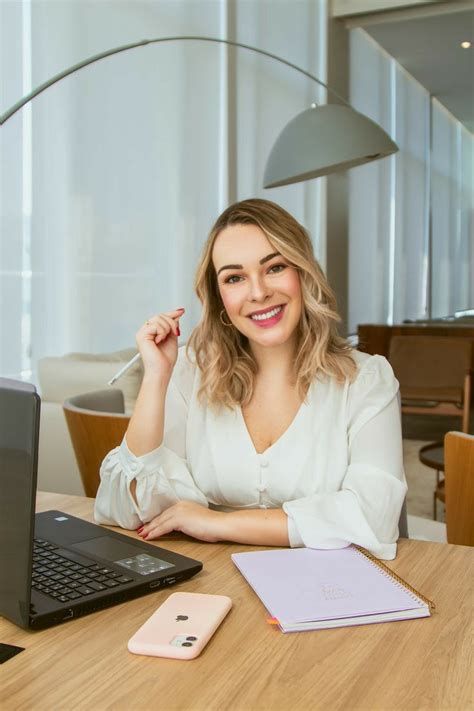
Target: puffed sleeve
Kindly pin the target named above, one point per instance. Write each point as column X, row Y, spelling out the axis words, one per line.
column 162, row 476
column 367, row 508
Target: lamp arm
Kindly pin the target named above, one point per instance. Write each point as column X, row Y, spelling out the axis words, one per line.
column 96, row 57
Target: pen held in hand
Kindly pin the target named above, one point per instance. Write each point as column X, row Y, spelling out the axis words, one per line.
column 126, row 367
column 123, row 370
column 137, row 356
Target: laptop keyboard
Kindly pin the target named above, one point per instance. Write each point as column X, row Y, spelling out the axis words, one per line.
column 66, row 579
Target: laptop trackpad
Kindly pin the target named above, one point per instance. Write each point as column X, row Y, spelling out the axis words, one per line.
column 125, row 554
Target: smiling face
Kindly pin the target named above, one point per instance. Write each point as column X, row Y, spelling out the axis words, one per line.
column 260, row 289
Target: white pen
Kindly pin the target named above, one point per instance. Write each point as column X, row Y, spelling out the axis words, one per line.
column 126, row 367
column 123, row 370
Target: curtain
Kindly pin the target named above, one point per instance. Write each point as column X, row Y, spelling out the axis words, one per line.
column 112, row 178
column 370, row 190
column 410, row 225
column 452, row 187
column 15, row 194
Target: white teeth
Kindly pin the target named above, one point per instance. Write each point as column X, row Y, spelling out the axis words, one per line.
column 267, row 315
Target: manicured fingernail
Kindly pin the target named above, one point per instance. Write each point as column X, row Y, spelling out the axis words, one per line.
column 181, row 308
column 139, row 529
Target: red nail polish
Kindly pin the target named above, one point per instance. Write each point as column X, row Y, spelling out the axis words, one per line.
column 139, row 529
column 178, row 332
column 181, row 308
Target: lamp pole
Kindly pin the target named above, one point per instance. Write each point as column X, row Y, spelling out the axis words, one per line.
column 158, row 40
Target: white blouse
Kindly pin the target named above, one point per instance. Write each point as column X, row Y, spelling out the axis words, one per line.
column 337, row 471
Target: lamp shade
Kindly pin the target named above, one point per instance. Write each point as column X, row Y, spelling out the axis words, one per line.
column 324, row 140
column 319, row 141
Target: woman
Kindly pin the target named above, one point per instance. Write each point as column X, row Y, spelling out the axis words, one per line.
column 268, row 429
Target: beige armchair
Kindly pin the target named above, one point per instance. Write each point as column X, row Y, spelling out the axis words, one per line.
column 61, row 378
column 97, row 423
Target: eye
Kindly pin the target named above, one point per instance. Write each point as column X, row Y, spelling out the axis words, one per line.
column 232, row 279
column 277, row 268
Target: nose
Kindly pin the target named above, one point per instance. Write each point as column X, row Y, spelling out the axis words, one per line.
column 259, row 290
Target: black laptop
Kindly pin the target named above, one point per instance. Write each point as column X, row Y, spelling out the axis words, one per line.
column 53, row 566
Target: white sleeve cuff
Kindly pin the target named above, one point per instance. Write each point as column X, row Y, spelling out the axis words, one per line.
column 134, row 466
column 293, row 534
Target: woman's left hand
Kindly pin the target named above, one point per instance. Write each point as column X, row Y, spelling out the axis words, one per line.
column 189, row 518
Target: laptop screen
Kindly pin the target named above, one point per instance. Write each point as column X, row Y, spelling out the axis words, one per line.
column 19, row 429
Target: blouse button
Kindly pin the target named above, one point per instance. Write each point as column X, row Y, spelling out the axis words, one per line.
column 134, row 467
column 264, row 463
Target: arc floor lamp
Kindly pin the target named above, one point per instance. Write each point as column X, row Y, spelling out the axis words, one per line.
column 319, row 141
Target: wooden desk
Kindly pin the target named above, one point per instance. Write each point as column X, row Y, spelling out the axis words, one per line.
column 414, row 664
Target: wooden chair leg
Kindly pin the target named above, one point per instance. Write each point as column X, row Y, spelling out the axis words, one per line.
column 434, row 506
column 467, row 403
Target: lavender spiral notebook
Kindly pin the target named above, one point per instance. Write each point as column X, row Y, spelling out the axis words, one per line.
column 305, row 588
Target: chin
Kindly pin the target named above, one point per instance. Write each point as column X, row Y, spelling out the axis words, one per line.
column 271, row 339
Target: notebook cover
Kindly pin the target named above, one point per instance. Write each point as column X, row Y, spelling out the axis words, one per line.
column 305, row 584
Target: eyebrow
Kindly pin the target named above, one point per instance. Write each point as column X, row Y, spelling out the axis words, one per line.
column 240, row 266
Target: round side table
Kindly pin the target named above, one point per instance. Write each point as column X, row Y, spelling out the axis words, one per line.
column 432, row 455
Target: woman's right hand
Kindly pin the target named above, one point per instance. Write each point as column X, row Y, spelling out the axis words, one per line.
column 157, row 341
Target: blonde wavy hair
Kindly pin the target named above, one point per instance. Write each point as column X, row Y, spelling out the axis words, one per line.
column 223, row 354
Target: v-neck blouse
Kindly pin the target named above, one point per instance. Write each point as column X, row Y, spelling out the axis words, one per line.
column 303, row 406
column 337, row 470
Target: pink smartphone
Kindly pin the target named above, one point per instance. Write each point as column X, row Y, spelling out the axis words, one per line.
column 181, row 627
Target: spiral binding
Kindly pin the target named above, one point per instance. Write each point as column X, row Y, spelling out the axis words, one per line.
column 394, row 576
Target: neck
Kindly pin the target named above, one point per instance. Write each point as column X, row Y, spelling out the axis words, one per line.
column 275, row 360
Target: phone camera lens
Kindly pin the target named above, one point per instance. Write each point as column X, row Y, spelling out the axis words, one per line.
column 187, row 644
column 191, row 639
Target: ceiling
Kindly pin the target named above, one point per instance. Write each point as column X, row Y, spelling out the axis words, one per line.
column 428, row 46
